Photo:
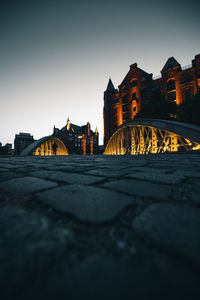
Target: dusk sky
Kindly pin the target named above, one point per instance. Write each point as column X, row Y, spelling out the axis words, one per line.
column 56, row 56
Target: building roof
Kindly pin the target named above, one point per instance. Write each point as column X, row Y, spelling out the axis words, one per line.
column 134, row 70
column 170, row 64
column 110, row 85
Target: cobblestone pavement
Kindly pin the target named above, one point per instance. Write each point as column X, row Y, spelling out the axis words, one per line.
column 100, row 227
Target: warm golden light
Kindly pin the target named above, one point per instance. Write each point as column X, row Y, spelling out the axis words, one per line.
column 84, row 145
column 52, row 146
column 137, row 139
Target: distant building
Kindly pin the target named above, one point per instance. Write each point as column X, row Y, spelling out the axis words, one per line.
column 176, row 83
column 71, row 139
column 6, row 149
column 78, row 139
column 22, row 141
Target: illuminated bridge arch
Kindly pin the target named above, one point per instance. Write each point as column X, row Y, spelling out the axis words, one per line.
column 147, row 136
column 46, row 146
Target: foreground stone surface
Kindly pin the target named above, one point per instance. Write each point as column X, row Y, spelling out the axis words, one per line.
column 89, row 204
column 176, row 227
column 100, row 227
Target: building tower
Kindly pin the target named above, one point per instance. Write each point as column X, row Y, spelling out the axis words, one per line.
column 110, row 110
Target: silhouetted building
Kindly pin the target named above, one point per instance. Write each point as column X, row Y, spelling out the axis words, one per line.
column 22, row 141
column 78, row 139
column 6, row 149
column 176, row 83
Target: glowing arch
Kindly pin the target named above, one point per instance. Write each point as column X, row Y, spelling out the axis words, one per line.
column 46, row 146
column 153, row 136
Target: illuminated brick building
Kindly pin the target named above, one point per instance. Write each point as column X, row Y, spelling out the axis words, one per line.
column 78, row 139
column 176, row 83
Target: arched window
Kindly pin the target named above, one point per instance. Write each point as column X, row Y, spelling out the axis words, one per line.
column 172, row 96
column 171, row 85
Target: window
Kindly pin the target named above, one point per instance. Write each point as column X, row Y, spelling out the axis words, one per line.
column 144, row 93
column 134, row 83
column 134, row 97
column 134, row 108
column 125, row 108
column 169, row 67
column 186, row 79
column 172, row 96
column 171, row 85
column 187, row 94
column 125, row 99
column 125, row 116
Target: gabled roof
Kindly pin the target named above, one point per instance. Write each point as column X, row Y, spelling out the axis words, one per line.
column 76, row 127
column 134, row 70
column 110, row 86
column 170, row 64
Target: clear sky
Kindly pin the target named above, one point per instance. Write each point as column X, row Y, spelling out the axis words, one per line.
column 56, row 56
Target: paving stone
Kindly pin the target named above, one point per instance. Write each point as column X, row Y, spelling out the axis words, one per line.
column 30, row 244
column 3, row 169
column 157, row 176
column 140, row 188
column 9, row 166
column 193, row 192
column 25, row 185
column 72, row 178
column 108, row 173
column 86, row 203
column 8, row 175
column 193, row 173
column 175, row 227
column 60, row 167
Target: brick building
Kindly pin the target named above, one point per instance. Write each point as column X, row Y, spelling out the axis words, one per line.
column 176, row 83
column 78, row 139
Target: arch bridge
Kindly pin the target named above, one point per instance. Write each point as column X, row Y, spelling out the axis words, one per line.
column 148, row 136
column 46, row 146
